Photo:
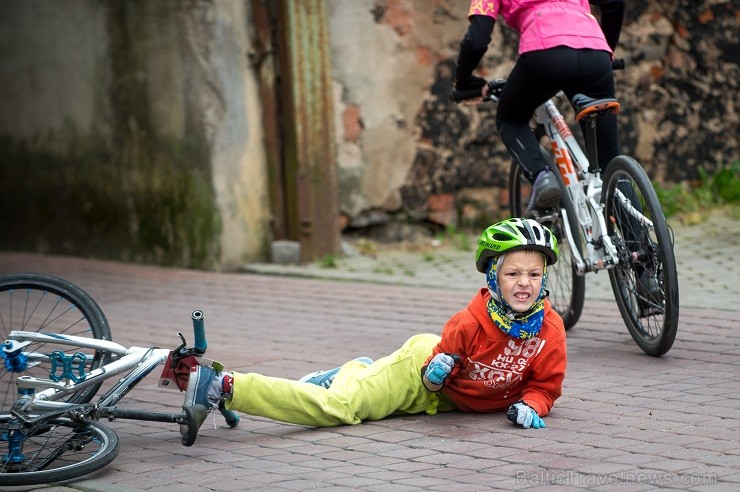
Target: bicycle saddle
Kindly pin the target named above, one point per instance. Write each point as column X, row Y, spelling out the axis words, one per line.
column 588, row 106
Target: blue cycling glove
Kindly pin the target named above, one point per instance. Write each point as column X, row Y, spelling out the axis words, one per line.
column 522, row 414
column 439, row 368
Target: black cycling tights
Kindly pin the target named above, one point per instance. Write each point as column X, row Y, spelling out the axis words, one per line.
column 539, row 75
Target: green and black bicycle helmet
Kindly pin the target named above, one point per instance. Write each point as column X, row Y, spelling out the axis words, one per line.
column 514, row 234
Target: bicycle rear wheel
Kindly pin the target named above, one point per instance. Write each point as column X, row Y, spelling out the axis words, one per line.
column 59, row 449
column 567, row 289
column 42, row 303
column 645, row 282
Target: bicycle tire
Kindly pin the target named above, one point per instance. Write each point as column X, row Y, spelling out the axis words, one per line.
column 37, row 302
column 567, row 289
column 56, row 450
column 651, row 320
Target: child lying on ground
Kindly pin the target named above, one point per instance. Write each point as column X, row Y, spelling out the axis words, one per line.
column 504, row 351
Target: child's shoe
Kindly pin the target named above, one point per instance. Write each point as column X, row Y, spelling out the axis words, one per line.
column 325, row 378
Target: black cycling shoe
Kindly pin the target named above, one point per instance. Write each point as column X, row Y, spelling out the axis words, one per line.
column 649, row 295
column 546, row 192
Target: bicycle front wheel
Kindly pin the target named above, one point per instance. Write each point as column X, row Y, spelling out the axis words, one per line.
column 42, row 303
column 567, row 288
column 52, row 451
column 645, row 282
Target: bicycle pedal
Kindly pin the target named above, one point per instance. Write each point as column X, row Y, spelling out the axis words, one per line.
column 195, row 416
column 549, row 215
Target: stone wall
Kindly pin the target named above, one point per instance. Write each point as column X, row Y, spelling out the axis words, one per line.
column 407, row 154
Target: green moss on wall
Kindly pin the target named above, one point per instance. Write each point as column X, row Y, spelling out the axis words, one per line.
column 154, row 205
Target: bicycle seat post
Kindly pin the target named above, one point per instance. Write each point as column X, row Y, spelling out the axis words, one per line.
column 587, row 110
column 592, row 152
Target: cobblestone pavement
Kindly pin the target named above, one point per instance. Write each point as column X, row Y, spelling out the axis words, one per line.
column 626, row 421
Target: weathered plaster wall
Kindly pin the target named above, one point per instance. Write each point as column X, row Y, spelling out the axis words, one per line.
column 131, row 130
column 383, row 55
column 49, row 81
column 231, row 97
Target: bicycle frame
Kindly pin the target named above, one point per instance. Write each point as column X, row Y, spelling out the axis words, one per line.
column 48, row 390
column 38, row 397
column 584, row 188
column 51, row 427
column 633, row 242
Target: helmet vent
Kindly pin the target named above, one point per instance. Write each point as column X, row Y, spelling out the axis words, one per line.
column 515, row 234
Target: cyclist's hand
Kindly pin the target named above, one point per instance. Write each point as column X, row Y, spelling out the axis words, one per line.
column 439, row 368
column 471, row 91
column 473, row 83
column 522, row 414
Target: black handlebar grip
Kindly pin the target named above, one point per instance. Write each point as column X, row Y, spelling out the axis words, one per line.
column 618, row 64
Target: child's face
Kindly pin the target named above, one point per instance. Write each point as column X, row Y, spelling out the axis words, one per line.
column 520, row 278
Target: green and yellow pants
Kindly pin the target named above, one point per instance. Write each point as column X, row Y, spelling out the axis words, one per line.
column 391, row 385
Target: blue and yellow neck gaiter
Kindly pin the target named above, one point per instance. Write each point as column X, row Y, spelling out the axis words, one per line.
column 518, row 325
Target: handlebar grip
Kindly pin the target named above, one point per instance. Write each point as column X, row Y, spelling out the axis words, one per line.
column 618, row 64
column 199, row 331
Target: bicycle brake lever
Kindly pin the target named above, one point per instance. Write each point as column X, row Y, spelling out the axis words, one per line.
column 494, row 89
column 182, row 348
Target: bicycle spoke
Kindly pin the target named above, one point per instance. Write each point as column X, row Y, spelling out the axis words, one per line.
column 645, row 283
column 57, row 450
column 39, row 303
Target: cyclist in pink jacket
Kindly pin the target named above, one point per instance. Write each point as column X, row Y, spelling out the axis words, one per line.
column 561, row 47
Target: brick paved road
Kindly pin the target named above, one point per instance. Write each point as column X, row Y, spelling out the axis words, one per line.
column 626, row 421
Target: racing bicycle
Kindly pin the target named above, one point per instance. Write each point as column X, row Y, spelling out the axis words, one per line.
column 614, row 223
column 57, row 353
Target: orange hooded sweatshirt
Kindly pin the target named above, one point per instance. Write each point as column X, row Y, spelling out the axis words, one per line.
column 497, row 370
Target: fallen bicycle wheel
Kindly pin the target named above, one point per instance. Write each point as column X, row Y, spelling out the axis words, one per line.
column 52, row 451
column 42, row 303
column 645, row 282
